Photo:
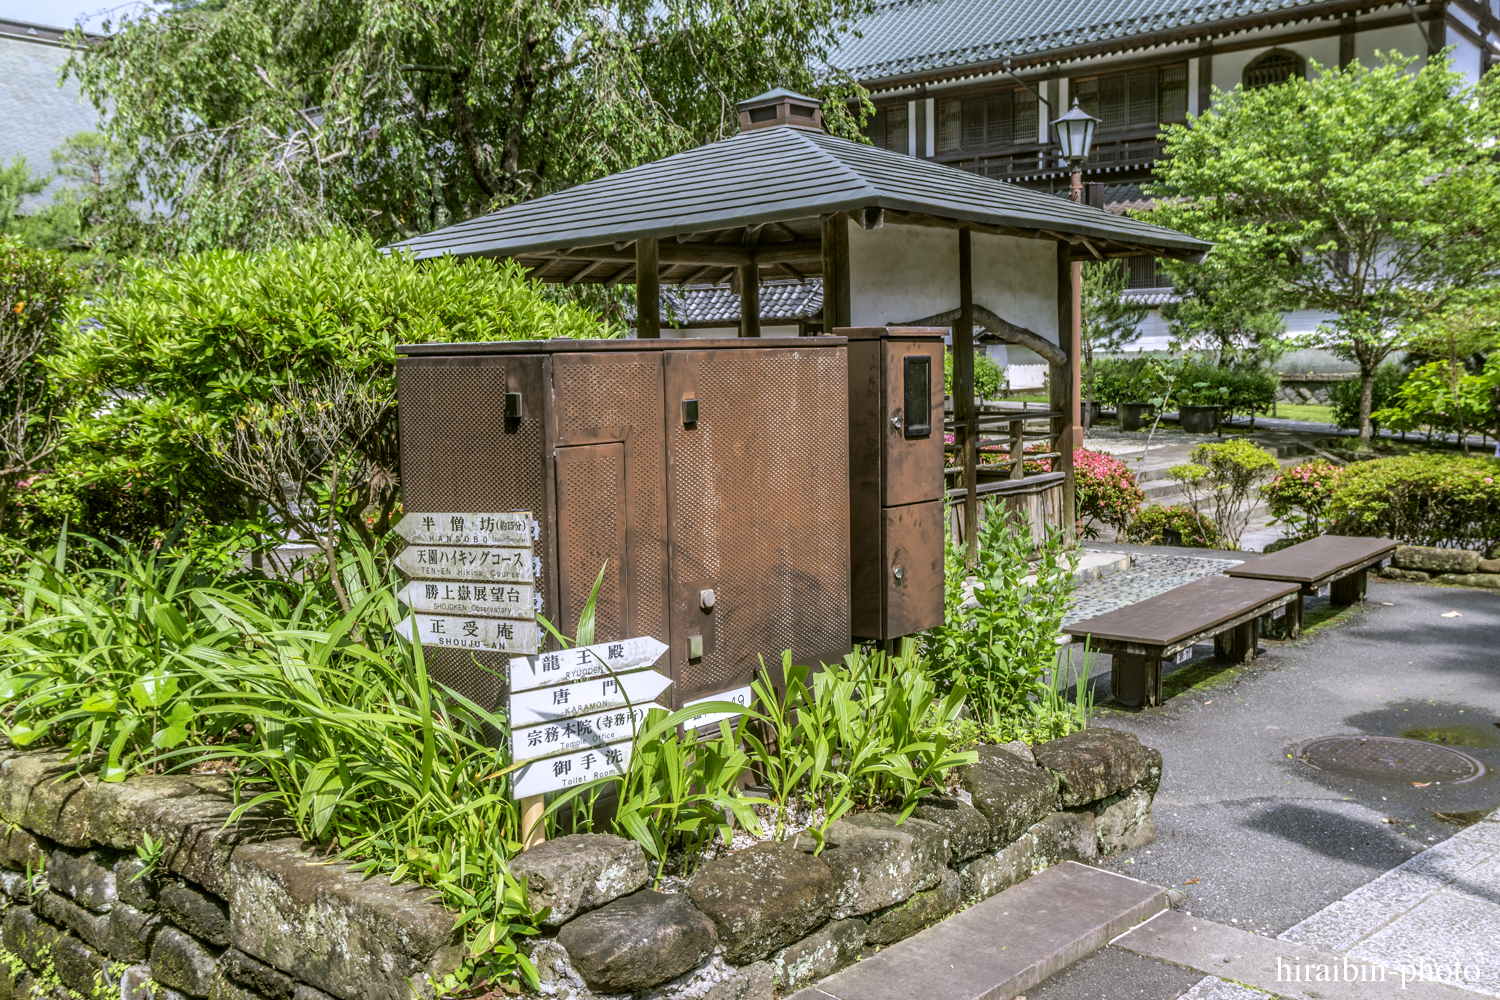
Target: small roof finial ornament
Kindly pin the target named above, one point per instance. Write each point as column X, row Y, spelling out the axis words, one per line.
column 779, row 107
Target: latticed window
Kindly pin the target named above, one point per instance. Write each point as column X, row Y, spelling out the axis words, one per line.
column 1276, row 66
column 1138, row 98
column 888, row 129
column 975, row 123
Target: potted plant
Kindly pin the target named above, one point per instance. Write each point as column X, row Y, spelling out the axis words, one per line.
column 1139, row 400
column 1199, row 405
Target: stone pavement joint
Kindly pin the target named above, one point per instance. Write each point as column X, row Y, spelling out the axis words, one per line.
column 1005, row 945
column 1278, row 967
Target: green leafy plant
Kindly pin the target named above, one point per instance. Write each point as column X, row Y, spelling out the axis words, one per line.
column 1444, row 500
column 999, row 640
column 1222, row 476
column 1343, row 396
column 1299, row 497
column 1175, row 525
column 989, row 377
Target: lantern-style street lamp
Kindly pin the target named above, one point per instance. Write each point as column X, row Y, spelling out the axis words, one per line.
column 1075, row 134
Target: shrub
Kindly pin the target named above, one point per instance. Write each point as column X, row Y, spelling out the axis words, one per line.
column 1343, row 397
column 1299, row 497
column 989, row 377
column 1193, row 529
column 1002, row 646
column 1106, row 492
column 1439, row 399
column 1443, row 500
column 1222, row 474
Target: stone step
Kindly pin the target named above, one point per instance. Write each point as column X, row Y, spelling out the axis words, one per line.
column 1004, row 946
column 1277, row 967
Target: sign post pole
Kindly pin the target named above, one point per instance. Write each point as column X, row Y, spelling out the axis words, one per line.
column 533, row 830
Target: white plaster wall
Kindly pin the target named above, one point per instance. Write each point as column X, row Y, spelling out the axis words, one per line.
column 1466, row 57
column 901, row 273
column 1229, row 67
column 1406, row 39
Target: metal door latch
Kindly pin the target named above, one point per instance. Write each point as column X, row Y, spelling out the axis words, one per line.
column 513, row 406
column 899, row 573
column 690, row 411
column 706, row 600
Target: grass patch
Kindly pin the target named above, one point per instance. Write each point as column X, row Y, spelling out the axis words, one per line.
column 1205, row 675
column 1323, row 616
column 1311, row 412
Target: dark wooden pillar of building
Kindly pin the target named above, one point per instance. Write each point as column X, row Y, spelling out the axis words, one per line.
column 749, row 300
column 647, row 290
column 1061, row 382
column 965, row 417
column 835, row 272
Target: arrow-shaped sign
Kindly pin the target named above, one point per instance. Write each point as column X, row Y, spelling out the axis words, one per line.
column 500, row 635
column 489, row 564
column 584, row 662
column 514, row 529
column 567, row 735
column 528, row 708
column 556, row 773
column 493, row 600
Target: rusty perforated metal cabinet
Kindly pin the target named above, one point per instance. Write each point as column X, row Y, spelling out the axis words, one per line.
column 748, row 499
column 895, row 479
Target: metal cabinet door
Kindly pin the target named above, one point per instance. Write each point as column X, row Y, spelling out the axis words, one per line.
column 913, row 464
column 912, row 546
column 606, row 417
column 758, row 493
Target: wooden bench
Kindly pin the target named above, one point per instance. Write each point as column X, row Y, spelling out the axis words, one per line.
column 1337, row 565
column 1139, row 638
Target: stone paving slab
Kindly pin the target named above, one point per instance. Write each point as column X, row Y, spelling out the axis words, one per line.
column 1005, row 945
column 1282, row 968
column 1441, row 907
column 1209, row 988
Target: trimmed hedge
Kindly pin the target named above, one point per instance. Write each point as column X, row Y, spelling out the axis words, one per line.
column 1152, row 523
column 1441, row 500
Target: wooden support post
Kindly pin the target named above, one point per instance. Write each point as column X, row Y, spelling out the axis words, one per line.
column 835, row 272
column 1135, row 678
column 1238, row 644
column 1289, row 625
column 533, row 830
column 749, row 300
column 1061, row 390
column 647, row 290
column 965, row 416
column 1018, row 449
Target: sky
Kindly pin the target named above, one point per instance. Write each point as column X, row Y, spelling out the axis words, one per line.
column 63, row 13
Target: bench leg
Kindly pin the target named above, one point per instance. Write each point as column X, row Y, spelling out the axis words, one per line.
column 1349, row 590
column 1135, row 679
column 1238, row 644
column 1289, row 625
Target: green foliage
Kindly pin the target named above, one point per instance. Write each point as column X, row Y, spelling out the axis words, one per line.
column 100, row 658
column 989, row 377
column 260, row 121
column 1114, row 380
column 1365, row 193
column 1003, row 647
column 17, row 183
column 1187, row 526
column 1343, row 396
column 222, row 377
column 1441, row 397
column 1110, row 321
column 1224, row 314
column 1299, row 497
column 1106, row 492
column 1445, row 500
column 1222, row 476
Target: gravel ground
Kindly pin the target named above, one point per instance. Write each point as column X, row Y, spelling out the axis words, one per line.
column 1151, row 575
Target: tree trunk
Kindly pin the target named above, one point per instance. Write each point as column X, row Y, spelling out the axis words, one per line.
column 1366, row 403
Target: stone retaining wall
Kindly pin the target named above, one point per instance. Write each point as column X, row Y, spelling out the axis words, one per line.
column 1464, row 567
column 774, row 917
column 245, row 912
column 1310, row 387
column 240, row 912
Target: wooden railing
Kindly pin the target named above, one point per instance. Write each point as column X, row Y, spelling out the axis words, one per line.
column 1010, row 442
column 1036, row 159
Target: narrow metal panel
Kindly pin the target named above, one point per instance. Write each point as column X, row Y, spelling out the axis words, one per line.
column 591, row 537
column 460, row 452
column 912, row 546
column 866, row 455
column 759, row 493
column 913, row 465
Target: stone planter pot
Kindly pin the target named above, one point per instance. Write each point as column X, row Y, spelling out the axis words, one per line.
column 1091, row 411
column 1198, row 419
column 1134, row 416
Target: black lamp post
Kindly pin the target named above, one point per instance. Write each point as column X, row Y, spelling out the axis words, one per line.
column 1075, row 134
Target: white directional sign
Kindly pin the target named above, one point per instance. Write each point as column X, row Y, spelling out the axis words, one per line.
column 584, row 662
column 492, row 600
column 565, row 701
column 511, row 529
column 739, row 696
column 489, row 564
column 498, row 635
column 555, row 773
column 580, row 733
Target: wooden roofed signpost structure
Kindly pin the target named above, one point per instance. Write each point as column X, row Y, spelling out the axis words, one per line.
column 896, row 241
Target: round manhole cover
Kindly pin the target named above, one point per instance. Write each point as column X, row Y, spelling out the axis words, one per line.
column 1389, row 758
